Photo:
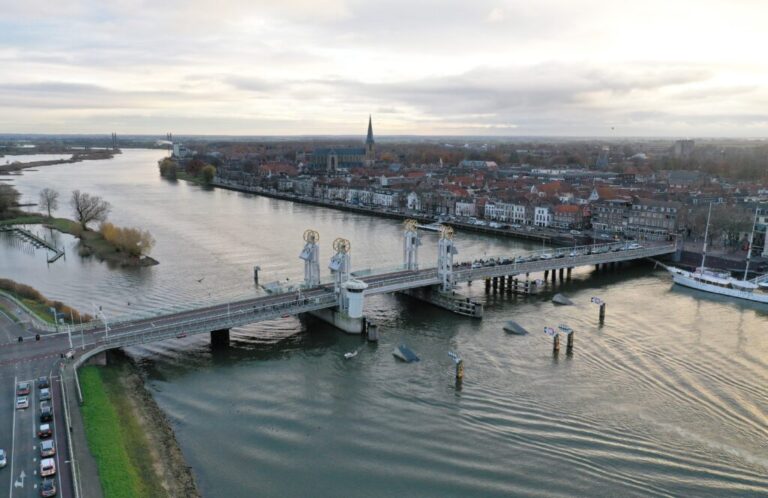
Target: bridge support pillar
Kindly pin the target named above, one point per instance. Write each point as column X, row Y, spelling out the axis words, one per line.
column 569, row 273
column 562, row 270
column 487, row 285
column 451, row 301
column 554, row 276
column 495, row 281
column 340, row 320
column 220, row 338
column 546, row 275
column 597, row 267
column 502, row 283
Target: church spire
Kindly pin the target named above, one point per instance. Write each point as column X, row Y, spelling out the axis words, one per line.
column 369, row 140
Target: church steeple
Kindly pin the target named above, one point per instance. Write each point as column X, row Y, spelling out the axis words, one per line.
column 370, row 147
column 369, row 140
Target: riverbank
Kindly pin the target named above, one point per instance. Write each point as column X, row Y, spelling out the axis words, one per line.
column 92, row 243
column 76, row 158
column 129, row 436
column 537, row 234
column 38, row 305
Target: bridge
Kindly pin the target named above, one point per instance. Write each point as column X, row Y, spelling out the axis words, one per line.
column 340, row 300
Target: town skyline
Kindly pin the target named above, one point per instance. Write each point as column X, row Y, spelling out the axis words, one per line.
column 301, row 68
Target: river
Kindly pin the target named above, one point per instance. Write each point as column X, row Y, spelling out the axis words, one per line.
column 666, row 398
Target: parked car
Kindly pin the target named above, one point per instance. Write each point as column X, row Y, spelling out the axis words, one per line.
column 22, row 402
column 45, row 394
column 47, row 467
column 42, row 383
column 3, row 458
column 48, row 488
column 45, row 431
column 22, row 388
column 46, row 414
column 634, row 245
column 47, row 448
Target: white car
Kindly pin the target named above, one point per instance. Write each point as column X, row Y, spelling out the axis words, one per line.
column 546, row 255
column 22, row 402
column 45, row 394
column 3, row 458
column 47, row 467
column 634, row 245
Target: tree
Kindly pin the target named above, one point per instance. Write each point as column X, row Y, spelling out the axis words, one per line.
column 49, row 200
column 8, row 196
column 168, row 168
column 88, row 208
column 208, row 173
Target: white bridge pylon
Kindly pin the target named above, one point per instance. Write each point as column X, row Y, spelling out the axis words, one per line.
column 311, row 256
column 341, row 263
column 411, row 243
column 446, row 250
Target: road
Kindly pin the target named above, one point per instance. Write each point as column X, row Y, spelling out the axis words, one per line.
column 18, row 428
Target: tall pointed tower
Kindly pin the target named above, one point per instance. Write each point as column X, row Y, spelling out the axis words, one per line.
column 370, row 145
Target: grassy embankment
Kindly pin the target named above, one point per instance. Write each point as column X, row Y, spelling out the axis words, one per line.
column 92, row 242
column 39, row 304
column 115, row 436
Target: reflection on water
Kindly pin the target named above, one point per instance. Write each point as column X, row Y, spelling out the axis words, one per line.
column 666, row 398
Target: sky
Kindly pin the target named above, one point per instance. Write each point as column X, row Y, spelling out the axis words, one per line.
column 419, row 67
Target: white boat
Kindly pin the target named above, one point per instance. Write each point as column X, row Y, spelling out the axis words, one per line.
column 722, row 283
column 351, row 354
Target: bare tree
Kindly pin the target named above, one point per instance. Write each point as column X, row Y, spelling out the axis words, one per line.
column 49, row 200
column 88, row 208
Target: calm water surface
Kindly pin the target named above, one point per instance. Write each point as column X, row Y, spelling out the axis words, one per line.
column 667, row 398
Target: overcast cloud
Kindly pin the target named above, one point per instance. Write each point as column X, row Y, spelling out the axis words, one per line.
column 259, row 67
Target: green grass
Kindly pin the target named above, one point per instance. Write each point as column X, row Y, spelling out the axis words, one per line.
column 9, row 313
column 115, row 436
column 32, row 219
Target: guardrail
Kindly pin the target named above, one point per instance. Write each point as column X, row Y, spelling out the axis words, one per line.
column 68, row 423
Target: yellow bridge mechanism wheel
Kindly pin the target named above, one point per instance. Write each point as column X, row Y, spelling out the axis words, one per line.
column 341, row 245
column 311, row 236
column 410, row 225
column 446, row 232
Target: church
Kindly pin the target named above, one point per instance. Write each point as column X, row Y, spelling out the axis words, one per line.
column 332, row 160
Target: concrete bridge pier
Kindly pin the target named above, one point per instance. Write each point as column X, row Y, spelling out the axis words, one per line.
column 562, row 270
column 220, row 338
column 487, row 285
column 495, row 284
column 546, row 275
column 502, row 282
column 451, row 301
column 554, row 276
column 569, row 273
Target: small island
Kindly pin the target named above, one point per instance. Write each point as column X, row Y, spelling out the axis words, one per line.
column 124, row 246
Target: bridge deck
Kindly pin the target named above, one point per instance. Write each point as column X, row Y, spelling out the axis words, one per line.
column 239, row 313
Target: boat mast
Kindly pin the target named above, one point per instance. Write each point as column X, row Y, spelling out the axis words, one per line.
column 706, row 233
column 749, row 249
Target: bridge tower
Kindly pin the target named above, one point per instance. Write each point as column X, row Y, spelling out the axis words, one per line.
column 411, row 243
column 311, row 256
column 446, row 250
column 340, row 263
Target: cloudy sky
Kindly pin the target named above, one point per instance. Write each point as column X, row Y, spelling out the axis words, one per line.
column 445, row 67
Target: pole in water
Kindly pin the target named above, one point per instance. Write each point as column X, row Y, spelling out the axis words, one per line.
column 569, row 344
column 602, row 312
column 556, row 344
column 459, row 370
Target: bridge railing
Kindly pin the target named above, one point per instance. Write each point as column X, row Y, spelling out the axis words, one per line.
column 218, row 320
column 563, row 262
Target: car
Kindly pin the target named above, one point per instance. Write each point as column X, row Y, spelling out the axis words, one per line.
column 22, row 388
column 605, row 236
column 46, row 414
column 634, row 245
column 575, row 232
column 22, row 402
column 45, row 431
column 3, row 458
column 47, row 448
column 477, row 264
column 45, row 394
column 48, row 488
column 47, row 467
column 42, row 383
column 546, row 255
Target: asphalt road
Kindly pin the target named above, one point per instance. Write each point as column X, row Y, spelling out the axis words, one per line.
column 18, row 428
